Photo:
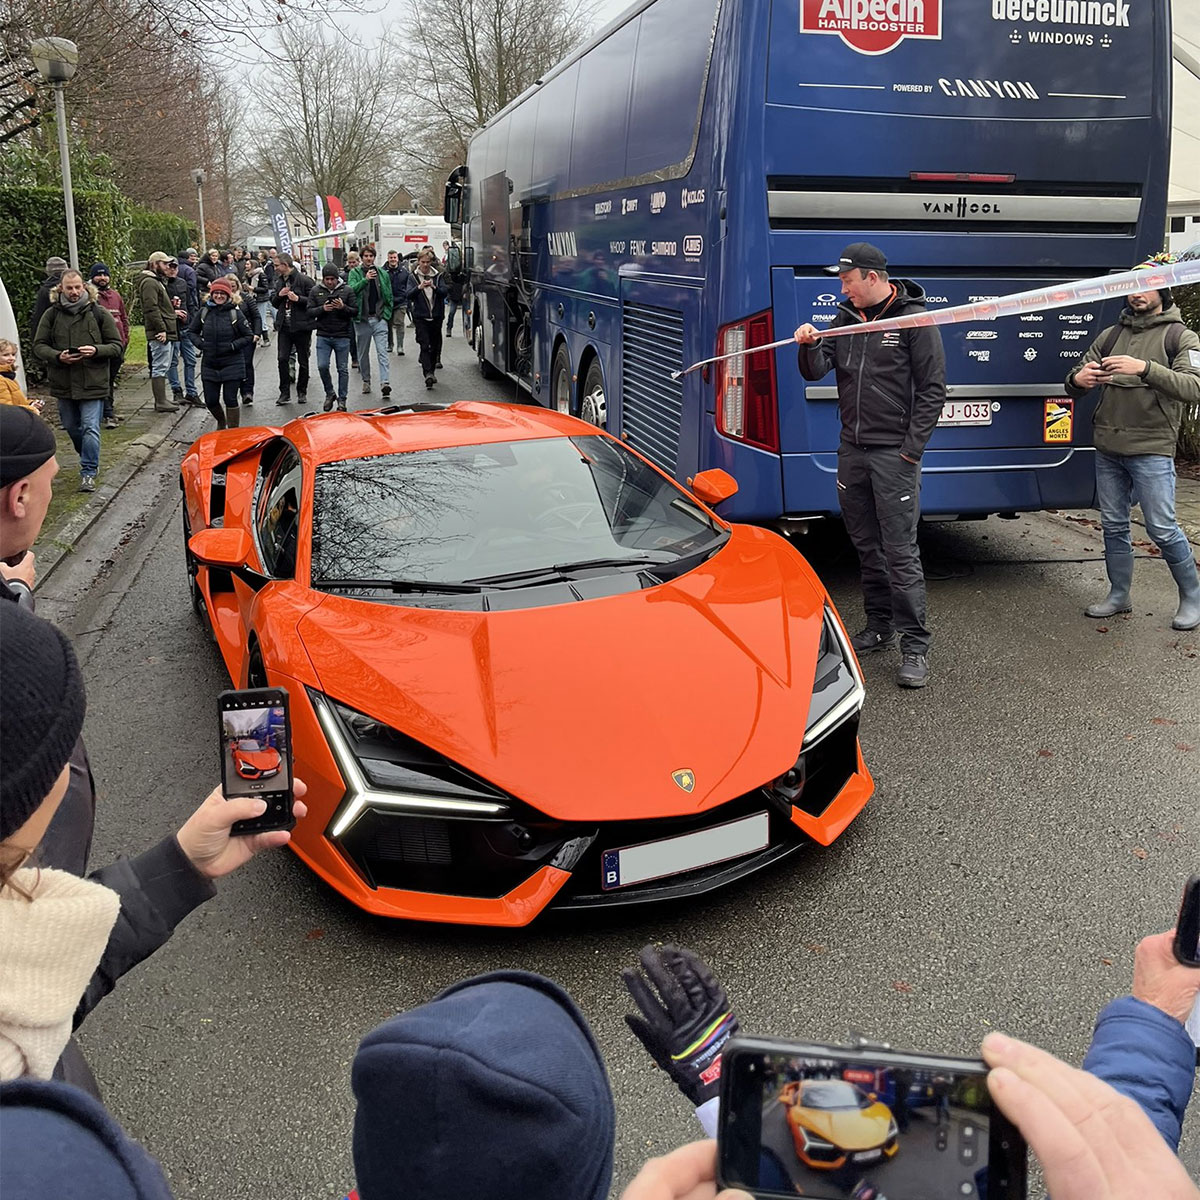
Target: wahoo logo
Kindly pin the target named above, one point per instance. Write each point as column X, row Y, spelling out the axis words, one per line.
column 873, row 26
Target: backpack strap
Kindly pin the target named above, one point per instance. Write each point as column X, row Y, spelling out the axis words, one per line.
column 1110, row 341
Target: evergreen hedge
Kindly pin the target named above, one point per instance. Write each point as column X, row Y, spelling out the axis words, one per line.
column 160, row 231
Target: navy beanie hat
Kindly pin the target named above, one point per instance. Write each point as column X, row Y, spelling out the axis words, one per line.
column 57, row 1141
column 98, row 268
column 495, row 1089
column 26, row 443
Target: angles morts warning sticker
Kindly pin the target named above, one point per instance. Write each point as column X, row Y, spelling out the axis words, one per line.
column 872, row 26
column 1059, row 421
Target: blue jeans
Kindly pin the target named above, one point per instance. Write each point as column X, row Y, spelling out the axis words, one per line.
column 160, row 355
column 373, row 329
column 185, row 350
column 265, row 314
column 81, row 420
column 327, row 347
column 1148, row 479
column 452, row 306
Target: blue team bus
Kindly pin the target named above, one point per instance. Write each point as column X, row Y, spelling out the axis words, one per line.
column 673, row 189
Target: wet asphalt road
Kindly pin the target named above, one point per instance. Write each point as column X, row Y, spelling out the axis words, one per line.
column 1036, row 812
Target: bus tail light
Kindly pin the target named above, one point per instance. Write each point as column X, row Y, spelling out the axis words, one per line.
column 747, row 407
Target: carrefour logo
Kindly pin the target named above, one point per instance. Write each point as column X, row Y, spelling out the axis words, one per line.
column 872, row 26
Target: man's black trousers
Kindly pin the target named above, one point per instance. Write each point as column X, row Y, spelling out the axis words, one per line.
column 429, row 338
column 880, row 496
column 285, row 339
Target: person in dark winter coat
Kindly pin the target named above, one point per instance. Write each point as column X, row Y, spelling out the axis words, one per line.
column 55, row 266
column 71, row 954
column 258, row 286
column 187, row 272
column 221, row 332
column 186, row 308
column 400, row 277
column 208, row 269
column 244, row 300
column 293, row 326
column 53, row 1137
column 455, row 285
column 891, row 389
column 427, row 298
column 101, row 279
column 75, row 339
column 335, row 307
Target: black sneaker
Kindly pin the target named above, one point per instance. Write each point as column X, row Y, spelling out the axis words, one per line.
column 284, row 398
column 301, row 398
column 438, row 365
column 868, row 640
column 429, row 381
column 193, row 401
column 386, row 390
column 913, row 672
column 177, row 395
column 330, row 401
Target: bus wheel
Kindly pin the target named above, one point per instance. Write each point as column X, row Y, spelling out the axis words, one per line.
column 560, row 380
column 593, row 408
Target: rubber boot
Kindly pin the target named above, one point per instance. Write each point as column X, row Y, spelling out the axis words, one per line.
column 1188, row 616
column 162, row 402
column 233, row 418
column 1120, row 578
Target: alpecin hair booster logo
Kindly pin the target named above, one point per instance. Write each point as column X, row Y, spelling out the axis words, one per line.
column 873, row 26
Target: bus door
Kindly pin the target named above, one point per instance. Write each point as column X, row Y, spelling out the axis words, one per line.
column 660, row 332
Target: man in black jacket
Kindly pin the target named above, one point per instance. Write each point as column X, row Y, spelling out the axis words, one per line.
column 186, row 307
column 334, row 307
column 293, row 326
column 891, row 388
column 427, row 300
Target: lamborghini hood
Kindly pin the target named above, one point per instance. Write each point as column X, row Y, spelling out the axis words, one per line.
column 598, row 709
column 847, row 1129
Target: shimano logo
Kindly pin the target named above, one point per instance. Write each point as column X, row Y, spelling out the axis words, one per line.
column 693, row 196
column 1112, row 13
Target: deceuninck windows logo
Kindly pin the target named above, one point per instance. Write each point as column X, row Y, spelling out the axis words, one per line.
column 873, row 26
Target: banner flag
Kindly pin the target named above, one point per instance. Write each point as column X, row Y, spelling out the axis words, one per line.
column 279, row 225
column 337, row 218
column 1062, row 295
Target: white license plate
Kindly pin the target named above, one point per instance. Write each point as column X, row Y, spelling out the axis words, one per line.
column 868, row 1156
column 966, row 412
column 673, row 856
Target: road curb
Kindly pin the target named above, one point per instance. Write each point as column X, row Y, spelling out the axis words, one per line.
column 54, row 545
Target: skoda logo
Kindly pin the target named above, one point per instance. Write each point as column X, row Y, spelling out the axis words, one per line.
column 684, row 779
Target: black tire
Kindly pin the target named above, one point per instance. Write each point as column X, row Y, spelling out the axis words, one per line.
column 190, row 564
column 560, row 381
column 593, row 402
column 485, row 368
column 256, row 673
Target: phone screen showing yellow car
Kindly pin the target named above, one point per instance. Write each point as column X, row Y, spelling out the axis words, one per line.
column 848, row 1127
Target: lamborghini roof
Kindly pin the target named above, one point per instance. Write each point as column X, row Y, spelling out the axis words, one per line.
column 333, row 437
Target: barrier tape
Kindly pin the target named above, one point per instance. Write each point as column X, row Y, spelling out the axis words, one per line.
column 1062, row 295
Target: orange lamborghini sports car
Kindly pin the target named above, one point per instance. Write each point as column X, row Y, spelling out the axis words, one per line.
column 526, row 667
column 253, row 761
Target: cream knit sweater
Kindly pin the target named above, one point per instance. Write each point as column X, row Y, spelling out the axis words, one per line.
column 49, row 948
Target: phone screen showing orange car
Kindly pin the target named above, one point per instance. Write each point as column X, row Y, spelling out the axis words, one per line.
column 849, row 1124
column 256, row 754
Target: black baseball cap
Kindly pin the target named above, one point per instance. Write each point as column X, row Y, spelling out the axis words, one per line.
column 862, row 255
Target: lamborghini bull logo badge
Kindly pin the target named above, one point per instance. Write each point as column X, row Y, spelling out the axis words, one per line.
column 684, row 779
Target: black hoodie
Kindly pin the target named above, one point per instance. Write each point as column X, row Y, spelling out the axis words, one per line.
column 891, row 385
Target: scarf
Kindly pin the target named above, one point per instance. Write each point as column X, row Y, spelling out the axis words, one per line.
column 49, row 949
column 427, row 293
column 75, row 306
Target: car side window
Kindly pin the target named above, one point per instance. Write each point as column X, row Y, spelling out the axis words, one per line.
column 277, row 517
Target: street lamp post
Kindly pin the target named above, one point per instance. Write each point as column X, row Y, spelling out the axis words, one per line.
column 56, row 60
column 198, row 178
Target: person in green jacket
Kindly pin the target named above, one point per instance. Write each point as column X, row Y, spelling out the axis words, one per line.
column 1148, row 366
column 162, row 326
column 76, row 339
column 372, row 288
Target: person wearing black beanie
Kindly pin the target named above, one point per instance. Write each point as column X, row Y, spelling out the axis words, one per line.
column 495, row 1089
column 27, row 467
column 41, row 713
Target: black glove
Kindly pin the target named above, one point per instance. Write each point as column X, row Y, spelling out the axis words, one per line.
column 685, row 1025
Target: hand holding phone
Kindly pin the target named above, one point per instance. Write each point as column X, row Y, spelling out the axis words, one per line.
column 207, row 835
column 256, row 755
column 1187, row 928
column 840, row 1122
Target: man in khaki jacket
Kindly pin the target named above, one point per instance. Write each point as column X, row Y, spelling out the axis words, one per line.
column 162, row 327
column 1148, row 366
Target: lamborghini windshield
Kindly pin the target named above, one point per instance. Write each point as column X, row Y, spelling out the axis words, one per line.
column 503, row 514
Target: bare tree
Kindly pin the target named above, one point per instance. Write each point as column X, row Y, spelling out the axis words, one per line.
column 328, row 125
column 469, row 59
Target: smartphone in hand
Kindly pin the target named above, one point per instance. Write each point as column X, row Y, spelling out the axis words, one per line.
column 837, row 1122
column 1187, row 927
column 256, row 754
